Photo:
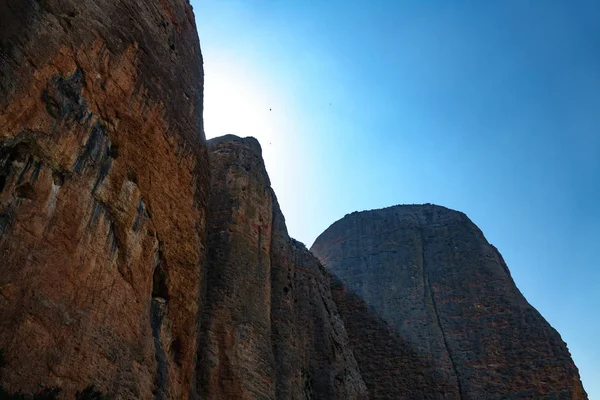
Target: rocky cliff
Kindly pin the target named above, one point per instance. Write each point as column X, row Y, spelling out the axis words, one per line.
column 103, row 191
column 131, row 267
column 270, row 328
column 432, row 311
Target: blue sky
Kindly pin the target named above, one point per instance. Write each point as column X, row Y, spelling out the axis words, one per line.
column 488, row 107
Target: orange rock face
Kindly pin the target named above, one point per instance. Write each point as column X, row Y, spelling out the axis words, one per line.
column 103, row 185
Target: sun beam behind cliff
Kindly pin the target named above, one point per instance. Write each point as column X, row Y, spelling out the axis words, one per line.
column 240, row 101
column 237, row 102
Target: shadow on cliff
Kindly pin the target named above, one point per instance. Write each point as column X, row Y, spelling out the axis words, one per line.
column 390, row 367
column 51, row 393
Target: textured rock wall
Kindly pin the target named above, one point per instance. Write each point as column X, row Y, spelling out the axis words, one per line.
column 103, row 189
column 310, row 344
column 388, row 362
column 270, row 327
column 235, row 359
column 104, row 279
column 432, row 311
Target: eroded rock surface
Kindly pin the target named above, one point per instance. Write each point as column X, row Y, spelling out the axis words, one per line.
column 270, row 327
column 432, row 311
column 103, row 190
column 116, row 272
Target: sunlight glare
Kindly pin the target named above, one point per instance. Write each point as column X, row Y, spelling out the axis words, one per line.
column 236, row 102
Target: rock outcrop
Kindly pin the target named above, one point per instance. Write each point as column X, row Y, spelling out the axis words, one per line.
column 270, row 329
column 132, row 267
column 432, row 312
column 103, row 191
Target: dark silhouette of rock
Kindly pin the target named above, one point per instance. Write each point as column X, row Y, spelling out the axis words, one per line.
column 432, row 311
column 103, row 185
column 270, row 327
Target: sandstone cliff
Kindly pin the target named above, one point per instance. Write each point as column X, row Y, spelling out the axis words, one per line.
column 103, row 190
column 432, row 311
column 270, row 327
column 130, row 264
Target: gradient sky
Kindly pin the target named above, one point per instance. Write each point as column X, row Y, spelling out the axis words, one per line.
column 488, row 107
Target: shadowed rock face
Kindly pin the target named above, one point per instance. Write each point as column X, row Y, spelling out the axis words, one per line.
column 103, row 185
column 270, row 327
column 432, row 311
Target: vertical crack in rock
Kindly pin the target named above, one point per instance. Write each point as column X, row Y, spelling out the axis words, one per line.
column 429, row 291
column 88, row 94
column 259, row 255
column 111, row 240
column 461, row 328
column 140, row 214
column 7, row 217
column 157, row 311
column 158, row 307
